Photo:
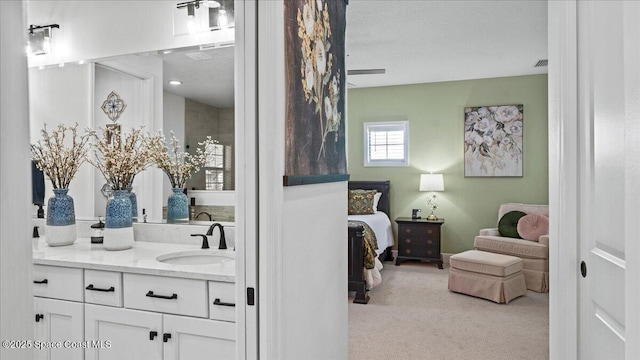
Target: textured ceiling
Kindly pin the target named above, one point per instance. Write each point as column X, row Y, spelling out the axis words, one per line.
column 420, row 41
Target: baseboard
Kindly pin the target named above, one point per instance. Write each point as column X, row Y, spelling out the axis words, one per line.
column 394, row 253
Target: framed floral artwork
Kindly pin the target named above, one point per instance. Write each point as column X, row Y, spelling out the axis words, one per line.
column 493, row 141
column 315, row 91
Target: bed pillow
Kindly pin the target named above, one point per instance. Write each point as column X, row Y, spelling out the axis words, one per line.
column 531, row 227
column 376, row 200
column 361, row 202
column 508, row 224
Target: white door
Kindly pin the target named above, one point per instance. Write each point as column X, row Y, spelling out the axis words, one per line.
column 122, row 333
column 58, row 321
column 194, row 339
column 608, row 158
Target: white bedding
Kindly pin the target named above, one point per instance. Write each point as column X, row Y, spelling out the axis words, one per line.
column 381, row 226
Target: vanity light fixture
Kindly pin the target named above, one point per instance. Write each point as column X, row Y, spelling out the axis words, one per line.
column 191, row 12
column 39, row 39
column 175, row 82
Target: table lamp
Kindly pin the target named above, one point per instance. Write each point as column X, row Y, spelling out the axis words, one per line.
column 432, row 182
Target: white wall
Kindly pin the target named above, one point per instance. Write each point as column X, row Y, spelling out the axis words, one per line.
column 16, row 306
column 303, row 229
column 314, row 295
column 64, row 96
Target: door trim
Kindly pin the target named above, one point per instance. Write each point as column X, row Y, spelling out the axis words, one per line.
column 563, row 177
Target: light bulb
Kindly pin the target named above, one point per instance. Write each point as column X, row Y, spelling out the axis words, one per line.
column 223, row 21
column 46, row 45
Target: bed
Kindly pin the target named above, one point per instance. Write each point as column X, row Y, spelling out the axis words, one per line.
column 381, row 225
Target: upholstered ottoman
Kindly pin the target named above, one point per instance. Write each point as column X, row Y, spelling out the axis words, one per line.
column 490, row 276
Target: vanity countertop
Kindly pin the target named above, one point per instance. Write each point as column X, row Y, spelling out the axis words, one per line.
column 140, row 259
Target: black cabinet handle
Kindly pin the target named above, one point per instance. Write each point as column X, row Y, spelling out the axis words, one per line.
column 218, row 302
column 151, row 294
column 90, row 287
column 583, row 269
column 166, row 337
column 39, row 317
column 152, row 335
column 45, row 281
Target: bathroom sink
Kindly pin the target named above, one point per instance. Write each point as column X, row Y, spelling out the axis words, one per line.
column 197, row 257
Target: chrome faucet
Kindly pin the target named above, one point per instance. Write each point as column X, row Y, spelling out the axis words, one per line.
column 223, row 241
column 203, row 212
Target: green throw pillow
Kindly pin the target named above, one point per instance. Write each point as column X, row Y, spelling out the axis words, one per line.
column 508, row 224
column 361, row 202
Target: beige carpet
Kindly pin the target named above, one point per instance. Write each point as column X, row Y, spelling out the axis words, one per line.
column 412, row 315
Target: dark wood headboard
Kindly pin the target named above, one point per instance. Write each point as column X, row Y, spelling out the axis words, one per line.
column 383, row 187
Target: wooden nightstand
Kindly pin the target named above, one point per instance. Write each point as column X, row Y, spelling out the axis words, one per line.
column 419, row 239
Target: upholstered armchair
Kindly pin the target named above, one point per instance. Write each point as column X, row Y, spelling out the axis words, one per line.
column 534, row 254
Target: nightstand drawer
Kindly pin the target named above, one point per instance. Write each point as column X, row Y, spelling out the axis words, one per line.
column 167, row 295
column 408, row 240
column 419, row 251
column 57, row 282
column 432, row 232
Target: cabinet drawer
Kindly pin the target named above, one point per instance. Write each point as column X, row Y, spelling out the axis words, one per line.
column 167, row 295
column 103, row 287
column 222, row 300
column 419, row 251
column 407, row 240
column 57, row 282
column 431, row 232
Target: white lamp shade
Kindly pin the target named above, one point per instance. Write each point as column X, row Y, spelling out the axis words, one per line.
column 431, row 182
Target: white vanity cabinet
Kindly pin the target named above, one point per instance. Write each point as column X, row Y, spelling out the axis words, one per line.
column 56, row 318
column 120, row 315
column 126, row 334
column 59, row 321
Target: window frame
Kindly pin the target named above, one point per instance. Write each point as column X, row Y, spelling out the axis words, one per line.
column 401, row 125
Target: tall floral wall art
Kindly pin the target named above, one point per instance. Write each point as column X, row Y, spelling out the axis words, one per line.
column 315, row 91
column 493, row 141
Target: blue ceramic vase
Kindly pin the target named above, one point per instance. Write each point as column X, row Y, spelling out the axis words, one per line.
column 118, row 229
column 61, row 219
column 177, row 207
column 134, row 204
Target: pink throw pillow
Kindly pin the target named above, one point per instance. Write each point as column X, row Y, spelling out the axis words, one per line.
column 531, row 227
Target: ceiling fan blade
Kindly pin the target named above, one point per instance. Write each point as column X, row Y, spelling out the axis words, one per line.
column 366, row 71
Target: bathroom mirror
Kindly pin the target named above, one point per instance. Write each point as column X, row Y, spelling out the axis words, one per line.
column 190, row 89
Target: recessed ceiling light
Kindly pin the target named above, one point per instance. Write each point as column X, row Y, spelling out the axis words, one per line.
column 80, row 62
column 175, row 82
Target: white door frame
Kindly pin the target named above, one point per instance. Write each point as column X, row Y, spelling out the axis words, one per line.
column 564, row 202
column 563, row 178
column 246, row 178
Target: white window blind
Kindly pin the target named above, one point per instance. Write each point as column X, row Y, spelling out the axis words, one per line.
column 386, row 143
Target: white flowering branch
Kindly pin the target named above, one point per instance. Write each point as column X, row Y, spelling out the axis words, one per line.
column 179, row 165
column 57, row 161
column 120, row 158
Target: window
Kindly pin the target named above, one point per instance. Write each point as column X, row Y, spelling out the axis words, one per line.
column 386, row 143
column 213, row 167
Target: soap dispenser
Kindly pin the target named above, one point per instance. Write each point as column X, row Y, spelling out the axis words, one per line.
column 97, row 234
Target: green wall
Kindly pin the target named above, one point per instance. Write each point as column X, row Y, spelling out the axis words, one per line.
column 435, row 112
